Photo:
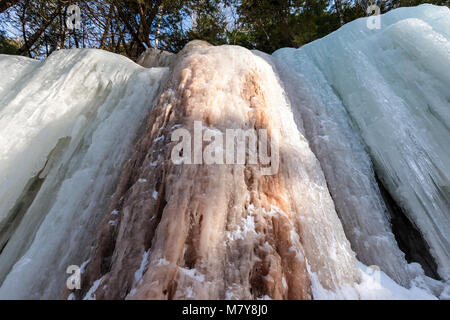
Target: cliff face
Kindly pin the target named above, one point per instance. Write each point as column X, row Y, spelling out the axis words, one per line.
column 220, row 230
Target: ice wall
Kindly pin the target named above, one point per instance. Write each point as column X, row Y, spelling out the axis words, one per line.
column 346, row 165
column 394, row 83
column 220, row 231
column 66, row 127
column 69, row 124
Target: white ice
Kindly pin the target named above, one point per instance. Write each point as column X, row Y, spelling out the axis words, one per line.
column 394, row 82
column 375, row 285
column 72, row 120
column 345, row 163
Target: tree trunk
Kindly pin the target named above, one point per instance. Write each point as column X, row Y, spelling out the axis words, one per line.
column 158, row 27
column 62, row 26
column 130, row 29
column 106, row 30
column 32, row 40
column 5, row 4
column 338, row 5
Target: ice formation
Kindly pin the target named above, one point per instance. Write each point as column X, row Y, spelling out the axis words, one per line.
column 394, row 83
column 66, row 127
column 217, row 231
column 87, row 179
column 156, row 58
column 347, row 168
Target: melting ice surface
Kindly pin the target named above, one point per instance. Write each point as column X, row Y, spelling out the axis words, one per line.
column 67, row 125
column 395, row 85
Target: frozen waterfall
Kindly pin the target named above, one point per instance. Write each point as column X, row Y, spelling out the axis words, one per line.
column 361, row 119
column 395, row 85
column 66, row 127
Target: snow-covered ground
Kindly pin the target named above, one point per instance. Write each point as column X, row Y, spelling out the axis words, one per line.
column 376, row 285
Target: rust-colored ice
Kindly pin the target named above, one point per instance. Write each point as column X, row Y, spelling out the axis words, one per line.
column 219, row 231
